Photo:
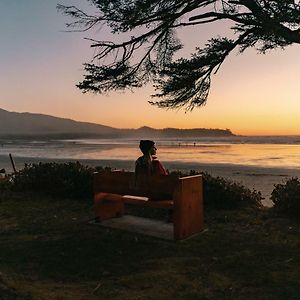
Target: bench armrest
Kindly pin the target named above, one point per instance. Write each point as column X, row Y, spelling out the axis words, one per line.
column 188, row 207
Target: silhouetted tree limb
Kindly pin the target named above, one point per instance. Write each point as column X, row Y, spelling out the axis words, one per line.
column 148, row 27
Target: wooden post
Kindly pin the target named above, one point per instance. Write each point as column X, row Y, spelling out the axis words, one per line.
column 12, row 163
column 188, row 207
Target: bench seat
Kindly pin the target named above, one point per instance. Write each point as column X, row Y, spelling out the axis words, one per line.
column 169, row 204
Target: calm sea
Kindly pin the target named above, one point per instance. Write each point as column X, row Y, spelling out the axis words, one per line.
column 256, row 162
column 283, row 152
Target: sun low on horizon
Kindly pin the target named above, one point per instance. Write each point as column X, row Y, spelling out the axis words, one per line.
column 252, row 94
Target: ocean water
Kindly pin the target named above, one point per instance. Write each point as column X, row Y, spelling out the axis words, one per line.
column 281, row 152
column 256, row 162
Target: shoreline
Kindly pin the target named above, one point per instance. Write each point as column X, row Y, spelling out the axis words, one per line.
column 254, row 177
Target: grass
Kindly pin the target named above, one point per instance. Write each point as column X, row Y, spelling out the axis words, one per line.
column 47, row 251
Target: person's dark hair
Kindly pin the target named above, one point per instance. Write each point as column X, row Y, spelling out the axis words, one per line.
column 146, row 145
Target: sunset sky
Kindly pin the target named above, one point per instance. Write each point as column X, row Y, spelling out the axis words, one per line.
column 252, row 94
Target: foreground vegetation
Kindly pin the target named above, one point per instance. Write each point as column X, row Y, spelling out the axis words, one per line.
column 74, row 180
column 49, row 251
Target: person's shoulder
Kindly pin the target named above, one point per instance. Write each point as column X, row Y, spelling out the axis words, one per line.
column 159, row 168
column 140, row 160
column 156, row 163
column 155, row 160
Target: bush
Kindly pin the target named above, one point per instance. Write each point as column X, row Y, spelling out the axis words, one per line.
column 73, row 180
column 5, row 183
column 286, row 197
column 220, row 193
column 67, row 180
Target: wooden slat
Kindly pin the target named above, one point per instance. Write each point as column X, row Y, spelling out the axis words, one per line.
column 155, row 204
column 154, row 187
column 100, row 200
column 113, row 182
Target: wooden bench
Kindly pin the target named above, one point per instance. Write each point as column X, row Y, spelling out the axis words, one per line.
column 184, row 196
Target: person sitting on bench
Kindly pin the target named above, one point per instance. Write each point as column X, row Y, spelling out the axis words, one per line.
column 148, row 164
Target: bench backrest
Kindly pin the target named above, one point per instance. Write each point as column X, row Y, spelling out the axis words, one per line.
column 124, row 183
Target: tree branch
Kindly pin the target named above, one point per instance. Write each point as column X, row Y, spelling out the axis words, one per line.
column 263, row 24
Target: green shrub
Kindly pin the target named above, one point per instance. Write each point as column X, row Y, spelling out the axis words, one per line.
column 5, row 183
column 220, row 193
column 73, row 180
column 286, row 197
column 67, row 180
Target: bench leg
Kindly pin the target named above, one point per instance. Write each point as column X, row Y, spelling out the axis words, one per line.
column 108, row 206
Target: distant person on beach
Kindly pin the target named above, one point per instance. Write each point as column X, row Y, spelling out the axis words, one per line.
column 148, row 163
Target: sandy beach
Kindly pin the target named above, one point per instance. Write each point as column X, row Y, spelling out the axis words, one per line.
column 259, row 178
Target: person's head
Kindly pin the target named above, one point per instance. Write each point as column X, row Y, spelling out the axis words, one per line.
column 147, row 147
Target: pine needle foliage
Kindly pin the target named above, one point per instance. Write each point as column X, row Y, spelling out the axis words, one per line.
column 144, row 41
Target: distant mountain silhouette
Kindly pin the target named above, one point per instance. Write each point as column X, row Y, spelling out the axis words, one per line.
column 13, row 124
column 175, row 132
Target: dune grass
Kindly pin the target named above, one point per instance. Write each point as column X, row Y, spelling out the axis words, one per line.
column 47, row 251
